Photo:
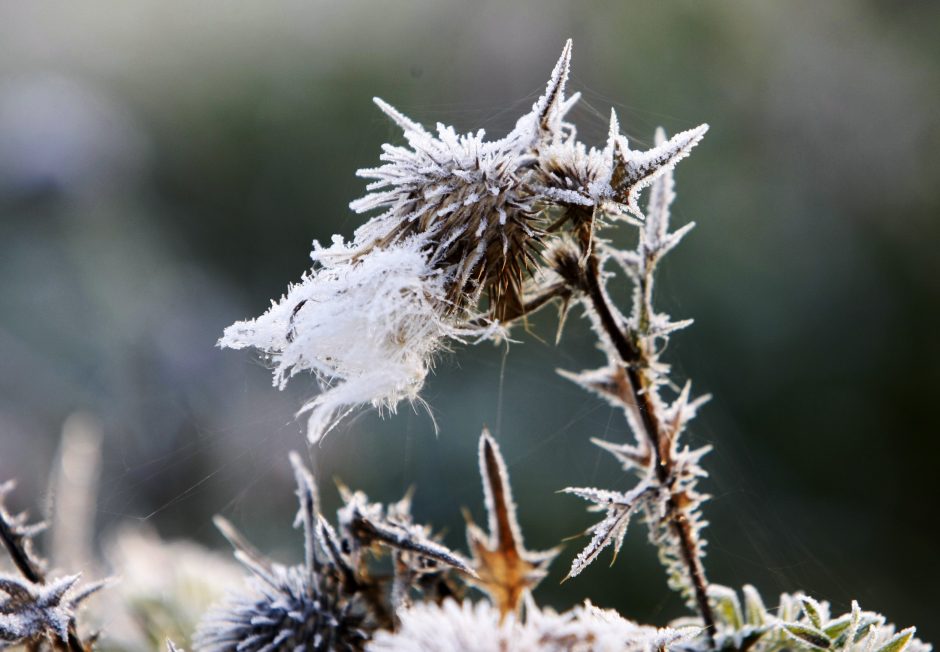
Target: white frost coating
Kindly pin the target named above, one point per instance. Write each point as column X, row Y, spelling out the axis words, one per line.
column 367, row 329
column 469, row 627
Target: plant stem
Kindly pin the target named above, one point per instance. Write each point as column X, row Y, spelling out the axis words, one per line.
column 21, row 559
column 633, row 360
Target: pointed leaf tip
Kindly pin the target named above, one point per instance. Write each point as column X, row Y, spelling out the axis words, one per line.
column 899, row 641
column 404, row 122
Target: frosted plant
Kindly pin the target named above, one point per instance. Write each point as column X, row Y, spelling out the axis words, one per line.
column 332, row 601
column 801, row 623
column 468, row 236
column 34, row 611
column 31, row 613
column 454, row 253
column 479, row 627
column 666, row 493
column 469, row 197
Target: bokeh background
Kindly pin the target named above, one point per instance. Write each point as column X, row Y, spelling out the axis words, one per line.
column 164, row 167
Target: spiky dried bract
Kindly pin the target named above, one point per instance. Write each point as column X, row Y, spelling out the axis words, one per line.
column 34, row 609
column 802, row 624
column 608, row 179
column 32, row 612
column 479, row 627
column 365, row 525
column 505, row 570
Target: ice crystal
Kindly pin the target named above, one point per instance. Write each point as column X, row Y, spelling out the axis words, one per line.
column 802, row 624
column 479, row 627
column 505, row 570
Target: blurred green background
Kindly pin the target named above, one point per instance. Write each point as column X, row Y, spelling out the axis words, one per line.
column 164, row 167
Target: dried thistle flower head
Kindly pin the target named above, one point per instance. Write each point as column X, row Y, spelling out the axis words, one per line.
column 311, row 606
column 467, row 197
column 456, row 244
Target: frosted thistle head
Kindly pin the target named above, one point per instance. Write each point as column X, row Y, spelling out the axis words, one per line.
column 467, row 197
column 451, row 253
column 311, row 606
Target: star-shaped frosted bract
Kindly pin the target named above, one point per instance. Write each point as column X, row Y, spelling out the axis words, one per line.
column 505, row 570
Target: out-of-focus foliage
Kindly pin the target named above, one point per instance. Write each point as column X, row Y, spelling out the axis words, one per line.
column 163, row 170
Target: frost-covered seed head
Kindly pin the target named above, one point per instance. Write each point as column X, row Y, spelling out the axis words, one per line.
column 368, row 330
column 284, row 609
column 469, row 198
column 314, row 606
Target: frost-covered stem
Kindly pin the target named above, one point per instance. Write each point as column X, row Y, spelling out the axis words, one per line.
column 21, row 559
column 634, row 361
column 30, row 570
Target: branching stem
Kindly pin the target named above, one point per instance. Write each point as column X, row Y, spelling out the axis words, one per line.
column 634, row 362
